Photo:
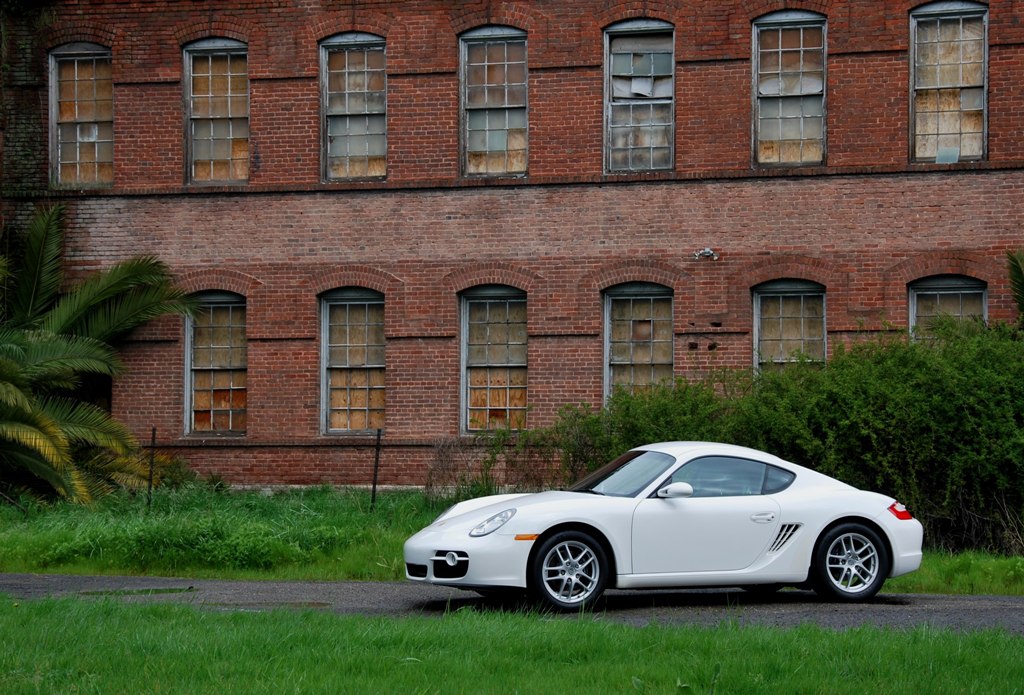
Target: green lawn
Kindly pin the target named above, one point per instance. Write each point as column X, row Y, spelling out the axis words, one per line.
column 105, row 646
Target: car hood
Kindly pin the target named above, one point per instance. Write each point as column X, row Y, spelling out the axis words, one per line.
column 481, row 508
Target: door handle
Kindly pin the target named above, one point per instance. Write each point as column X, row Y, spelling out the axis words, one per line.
column 763, row 517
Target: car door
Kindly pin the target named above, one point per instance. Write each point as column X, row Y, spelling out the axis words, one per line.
column 725, row 526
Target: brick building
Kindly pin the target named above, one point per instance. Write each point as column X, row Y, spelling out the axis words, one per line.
column 437, row 217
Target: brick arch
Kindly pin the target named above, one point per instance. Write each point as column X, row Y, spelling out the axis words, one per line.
column 356, row 276
column 759, row 8
column 62, row 33
column 229, row 28
column 369, row 22
column 816, row 270
column 621, row 10
column 491, row 274
column 589, row 311
column 924, row 265
column 218, row 279
column 519, row 15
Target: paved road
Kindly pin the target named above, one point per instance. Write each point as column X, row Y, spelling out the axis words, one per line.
column 786, row 609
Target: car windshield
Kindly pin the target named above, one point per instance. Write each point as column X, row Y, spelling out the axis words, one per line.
column 627, row 475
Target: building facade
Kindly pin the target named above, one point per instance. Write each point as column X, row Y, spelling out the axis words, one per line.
column 437, row 218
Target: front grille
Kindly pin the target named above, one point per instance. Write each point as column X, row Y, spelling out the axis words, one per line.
column 414, row 570
column 443, row 569
column 786, row 534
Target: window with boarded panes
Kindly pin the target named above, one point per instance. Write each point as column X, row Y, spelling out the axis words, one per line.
column 494, row 101
column 950, row 52
column 82, row 103
column 640, row 96
column 218, row 367
column 955, row 296
column 639, row 336
column 790, row 88
column 353, row 343
column 218, row 111
column 355, row 103
column 789, row 323
column 494, row 327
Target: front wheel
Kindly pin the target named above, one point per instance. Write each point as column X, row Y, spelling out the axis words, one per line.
column 570, row 571
column 850, row 563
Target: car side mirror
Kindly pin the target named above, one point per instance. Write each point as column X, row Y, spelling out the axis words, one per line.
column 674, row 490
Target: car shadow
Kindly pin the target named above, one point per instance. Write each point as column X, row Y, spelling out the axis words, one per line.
column 626, row 601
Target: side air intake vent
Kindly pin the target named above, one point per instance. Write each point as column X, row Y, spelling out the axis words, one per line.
column 786, row 533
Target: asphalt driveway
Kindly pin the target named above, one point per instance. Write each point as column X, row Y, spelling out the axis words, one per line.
column 402, row 599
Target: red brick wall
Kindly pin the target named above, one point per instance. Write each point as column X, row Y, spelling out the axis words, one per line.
column 863, row 225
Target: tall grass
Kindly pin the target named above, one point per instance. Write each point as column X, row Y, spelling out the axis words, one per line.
column 315, row 533
column 77, row 646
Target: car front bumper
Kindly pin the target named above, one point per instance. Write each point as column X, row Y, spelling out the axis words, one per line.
column 454, row 558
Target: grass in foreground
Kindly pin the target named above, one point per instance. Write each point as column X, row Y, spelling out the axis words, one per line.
column 318, row 533
column 105, row 646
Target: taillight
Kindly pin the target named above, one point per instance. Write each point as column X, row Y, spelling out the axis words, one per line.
column 899, row 511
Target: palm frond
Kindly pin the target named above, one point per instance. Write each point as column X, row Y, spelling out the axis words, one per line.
column 33, row 430
column 31, row 463
column 112, row 302
column 1015, row 265
column 38, row 279
column 84, row 423
column 55, row 361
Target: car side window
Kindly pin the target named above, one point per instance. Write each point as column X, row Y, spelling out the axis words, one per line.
column 722, row 476
column 777, row 480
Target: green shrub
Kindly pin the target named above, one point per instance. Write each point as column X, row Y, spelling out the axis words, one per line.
column 938, row 424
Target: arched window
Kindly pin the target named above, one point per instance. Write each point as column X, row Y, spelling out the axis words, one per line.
column 639, row 96
column 638, row 343
column 494, row 358
column 81, row 115
column 354, row 95
column 956, row 296
column 217, row 362
column 789, row 322
column 217, row 111
column 352, row 355
column 789, row 88
column 494, row 101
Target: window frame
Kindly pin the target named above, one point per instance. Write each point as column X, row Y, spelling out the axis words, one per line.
column 723, row 463
column 209, row 47
column 783, row 288
column 638, row 28
column 216, row 298
column 634, row 290
column 344, row 42
column 947, row 283
column 360, row 296
column 77, row 50
column 946, row 9
column 779, row 20
column 485, row 35
column 488, row 293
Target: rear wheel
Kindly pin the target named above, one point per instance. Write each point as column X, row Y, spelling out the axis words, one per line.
column 570, row 571
column 850, row 563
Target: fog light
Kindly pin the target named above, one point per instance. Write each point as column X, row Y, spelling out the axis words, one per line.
column 452, row 559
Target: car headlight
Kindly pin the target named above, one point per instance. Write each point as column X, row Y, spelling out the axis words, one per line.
column 492, row 524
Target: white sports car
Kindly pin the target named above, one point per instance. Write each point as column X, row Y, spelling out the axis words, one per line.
column 676, row 514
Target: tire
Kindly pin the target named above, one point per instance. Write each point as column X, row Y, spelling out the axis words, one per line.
column 850, row 563
column 569, row 571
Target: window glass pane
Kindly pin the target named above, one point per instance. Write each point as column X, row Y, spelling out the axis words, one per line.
column 355, row 376
column 790, row 326
column 356, row 86
column 494, row 101
column 84, row 119
column 496, row 354
column 640, row 94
